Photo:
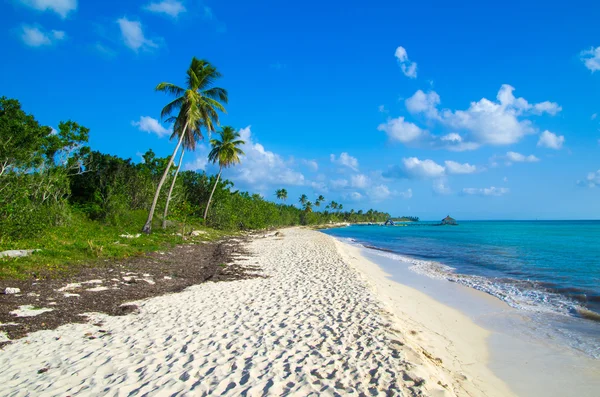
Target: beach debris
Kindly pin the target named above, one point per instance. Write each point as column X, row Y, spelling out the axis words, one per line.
column 43, row 370
column 127, row 235
column 30, row 311
column 69, row 295
column 127, row 308
column 97, row 289
column 17, row 253
column 11, row 291
column 92, row 282
column 69, row 287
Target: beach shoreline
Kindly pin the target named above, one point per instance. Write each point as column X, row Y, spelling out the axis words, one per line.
column 323, row 320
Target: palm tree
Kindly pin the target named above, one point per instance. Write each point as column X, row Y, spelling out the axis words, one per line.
column 333, row 205
column 319, row 200
column 197, row 105
column 226, row 152
column 303, row 199
column 308, row 206
column 281, row 194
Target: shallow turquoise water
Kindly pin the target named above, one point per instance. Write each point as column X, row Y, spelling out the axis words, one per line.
column 549, row 270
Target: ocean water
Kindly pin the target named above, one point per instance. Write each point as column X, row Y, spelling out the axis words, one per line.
column 548, row 270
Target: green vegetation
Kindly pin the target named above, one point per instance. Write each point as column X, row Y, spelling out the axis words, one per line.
column 406, row 219
column 80, row 206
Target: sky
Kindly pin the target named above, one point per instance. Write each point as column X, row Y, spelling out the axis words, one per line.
column 480, row 111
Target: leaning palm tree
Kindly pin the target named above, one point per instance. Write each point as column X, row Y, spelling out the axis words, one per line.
column 319, row 200
column 226, row 152
column 303, row 199
column 196, row 105
column 281, row 194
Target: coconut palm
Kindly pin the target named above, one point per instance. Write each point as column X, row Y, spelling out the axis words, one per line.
column 226, row 152
column 196, row 105
column 333, row 205
column 308, row 206
column 281, row 194
column 319, row 200
column 303, row 199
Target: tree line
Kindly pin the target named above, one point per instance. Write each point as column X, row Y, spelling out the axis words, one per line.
column 48, row 176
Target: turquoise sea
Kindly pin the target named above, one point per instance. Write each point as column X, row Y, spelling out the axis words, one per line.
column 547, row 269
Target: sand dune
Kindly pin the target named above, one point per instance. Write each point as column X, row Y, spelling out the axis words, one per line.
column 312, row 327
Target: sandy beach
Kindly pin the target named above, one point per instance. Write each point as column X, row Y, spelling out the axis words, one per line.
column 324, row 321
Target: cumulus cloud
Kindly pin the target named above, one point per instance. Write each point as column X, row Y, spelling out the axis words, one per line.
column 594, row 116
column 487, row 191
column 514, row 157
column 312, row 164
column 359, row 181
column 61, row 7
column 440, row 187
column 151, row 125
column 452, row 167
column 424, row 103
column 261, row 168
column 408, row 68
column 133, row 35
column 34, row 36
column 406, row 194
column 345, row 160
column 380, row 193
column 485, row 121
column 171, row 8
column 592, row 180
column 353, row 196
column 200, row 162
column 550, row 140
column 591, row 58
column 402, row 131
column 413, row 168
column 338, row 183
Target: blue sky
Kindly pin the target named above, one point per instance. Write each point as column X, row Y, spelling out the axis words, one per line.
column 477, row 110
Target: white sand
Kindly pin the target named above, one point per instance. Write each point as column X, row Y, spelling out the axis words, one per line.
column 314, row 326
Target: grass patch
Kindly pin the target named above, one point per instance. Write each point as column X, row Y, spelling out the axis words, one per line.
column 85, row 242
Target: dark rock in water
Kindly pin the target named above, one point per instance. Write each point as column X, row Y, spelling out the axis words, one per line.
column 389, row 222
column 449, row 221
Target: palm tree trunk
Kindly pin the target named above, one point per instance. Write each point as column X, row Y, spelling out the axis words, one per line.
column 164, row 222
column 148, row 226
column 211, row 194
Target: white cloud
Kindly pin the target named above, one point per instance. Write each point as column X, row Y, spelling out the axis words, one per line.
column 382, row 109
column 521, row 158
column 592, row 180
column 441, row 188
column 550, row 140
column 61, row 7
column 402, row 131
column 505, row 179
column 488, row 191
column 133, row 35
column 485, row 121
column 151, row 125
column 171, row 8
column 199, row 163
column 37, row 37
column 594, row 116
column 346, row 160
column 261, row 168
column 591, row 58
column 359, row 181
column 407, row 194
column 415, row 168
column 380, row 193
column 312, row 164
column 452, row 167
column 338, row 183
column 353, row 196
column 408, row 68
column 424, row 103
